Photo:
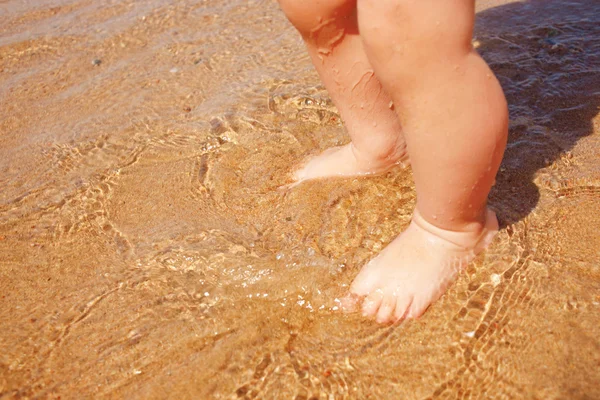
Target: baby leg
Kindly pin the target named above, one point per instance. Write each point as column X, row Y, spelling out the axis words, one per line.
column 454, row 118
column 330, row 31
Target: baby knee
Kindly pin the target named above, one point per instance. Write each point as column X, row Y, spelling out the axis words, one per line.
column 308, row 15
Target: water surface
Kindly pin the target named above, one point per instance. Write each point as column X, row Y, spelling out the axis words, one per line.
column 146, row 251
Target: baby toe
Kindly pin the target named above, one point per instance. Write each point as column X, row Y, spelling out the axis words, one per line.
column 364, row 283
column 350, row 303
column 372, row 303
column 403, row 304
column 386, row 309
column 418, row 307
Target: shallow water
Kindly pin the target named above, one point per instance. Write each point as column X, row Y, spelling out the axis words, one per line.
column 147, row 252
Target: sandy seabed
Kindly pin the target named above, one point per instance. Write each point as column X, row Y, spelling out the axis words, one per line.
column 146, row 251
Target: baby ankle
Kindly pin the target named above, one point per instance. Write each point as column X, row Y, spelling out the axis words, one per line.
column 379, row 155
column 467, row 239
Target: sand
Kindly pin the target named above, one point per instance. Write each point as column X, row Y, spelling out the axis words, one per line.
column 147, row 252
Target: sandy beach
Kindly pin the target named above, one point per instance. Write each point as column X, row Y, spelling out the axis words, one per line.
column 147, row 250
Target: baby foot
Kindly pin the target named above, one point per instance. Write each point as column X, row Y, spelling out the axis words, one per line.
column 347, row 161
column 417, row 267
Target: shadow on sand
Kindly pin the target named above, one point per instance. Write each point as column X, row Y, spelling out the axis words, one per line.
column 546, row 54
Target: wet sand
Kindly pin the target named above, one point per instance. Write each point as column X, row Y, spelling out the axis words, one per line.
column 146, row 251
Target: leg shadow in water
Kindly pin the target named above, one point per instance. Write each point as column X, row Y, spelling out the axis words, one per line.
column 546, row 55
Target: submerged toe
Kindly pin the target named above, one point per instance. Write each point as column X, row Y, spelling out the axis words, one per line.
column 418, row 307
column 372, row 303
column 365, row 282
column 403, row 304
column 386, row 309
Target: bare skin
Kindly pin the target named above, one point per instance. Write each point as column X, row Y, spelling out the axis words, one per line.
column 330, row 32
column 454, row 123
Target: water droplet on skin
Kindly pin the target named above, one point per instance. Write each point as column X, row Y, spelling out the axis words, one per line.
column 434, row 217
column 375, row 124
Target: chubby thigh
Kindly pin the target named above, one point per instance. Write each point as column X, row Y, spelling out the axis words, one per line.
column 308, row 15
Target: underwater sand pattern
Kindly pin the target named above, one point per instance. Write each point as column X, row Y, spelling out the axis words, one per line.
column 147, row 250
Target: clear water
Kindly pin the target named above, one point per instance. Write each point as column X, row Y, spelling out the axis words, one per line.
column 147, row 252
